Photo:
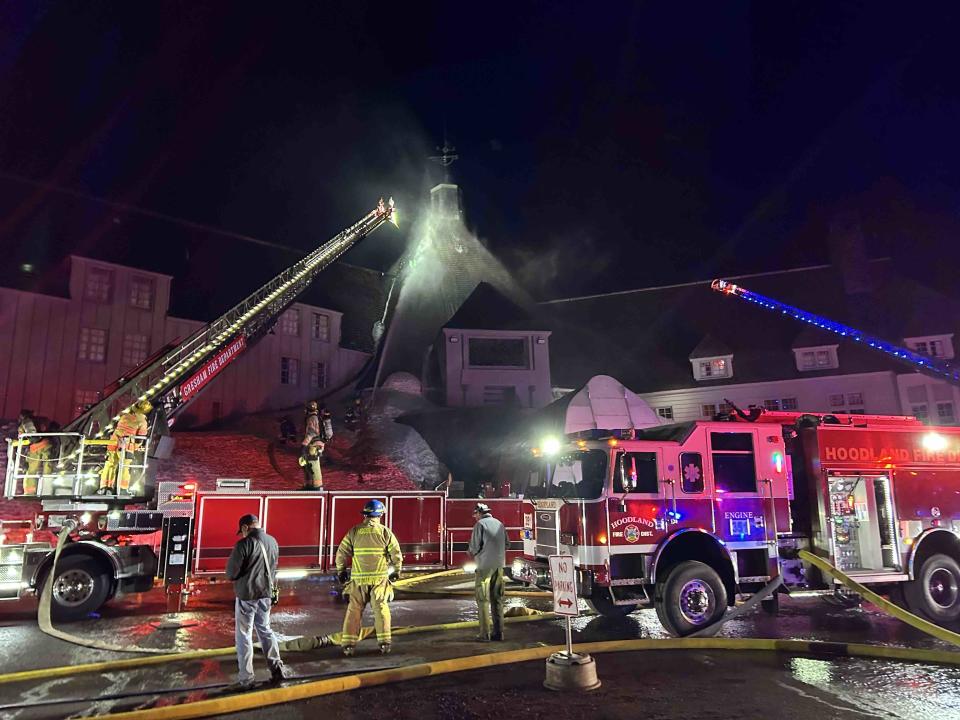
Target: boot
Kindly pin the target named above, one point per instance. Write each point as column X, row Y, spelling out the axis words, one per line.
column 348, row 650
column 385, row 648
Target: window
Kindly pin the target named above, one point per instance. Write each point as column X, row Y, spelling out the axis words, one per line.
column 821, row 358
column 321, row 327
column 771, row 404
column 134, row 349
column 945, row 413
column 141, row 292
column 734, row 470
column 920, row 412
column 938, row 346
column 855, row 398
column 85, row 398
column 93, row 345
column 713, row 368
column 640, row 470
column 708, row 411
column 289, row 371
column 318, row 375
column 836, row 401
column 691, row 472
column 498, row 352
column 290, row 322
column 577, row 475
column 665, row 412
column 99, row 282
column 789, row 404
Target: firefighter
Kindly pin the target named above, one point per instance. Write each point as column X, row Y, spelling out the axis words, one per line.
column 310, row 449
column 376, row 562
column 488, row 548
column 36, row 452
column 123, row 444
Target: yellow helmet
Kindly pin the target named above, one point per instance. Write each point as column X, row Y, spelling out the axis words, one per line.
column 144, row 407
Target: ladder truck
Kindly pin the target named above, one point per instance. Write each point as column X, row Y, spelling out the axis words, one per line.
column 108, row 554
column 686, row 517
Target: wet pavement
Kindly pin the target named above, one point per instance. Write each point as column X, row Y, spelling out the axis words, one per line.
column 659, row 684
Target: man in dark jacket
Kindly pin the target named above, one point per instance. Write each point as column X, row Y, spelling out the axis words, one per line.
column 253, row 568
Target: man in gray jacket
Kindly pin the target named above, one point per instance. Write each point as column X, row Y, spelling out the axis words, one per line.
column 253, row 568
column 488, row 548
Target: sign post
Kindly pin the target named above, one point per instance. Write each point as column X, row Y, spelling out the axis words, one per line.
column 566, row 671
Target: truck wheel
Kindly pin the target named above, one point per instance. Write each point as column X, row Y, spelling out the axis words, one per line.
column 601, row 604
column 934, row 592
column 691, row 598
column 80, row 587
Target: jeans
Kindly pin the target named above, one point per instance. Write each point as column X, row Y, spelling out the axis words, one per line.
column 255, row 614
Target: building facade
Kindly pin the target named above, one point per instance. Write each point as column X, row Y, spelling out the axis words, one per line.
column 58, row 353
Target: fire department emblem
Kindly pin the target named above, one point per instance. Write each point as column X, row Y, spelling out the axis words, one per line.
column 631, row 533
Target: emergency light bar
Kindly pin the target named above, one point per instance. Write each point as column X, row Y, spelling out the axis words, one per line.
column 923, row 363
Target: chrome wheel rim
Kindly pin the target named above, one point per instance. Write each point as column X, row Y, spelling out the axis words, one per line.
column 74, row 587
column 696, row 601
column 943, row 588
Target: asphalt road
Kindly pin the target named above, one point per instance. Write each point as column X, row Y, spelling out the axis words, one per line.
column 661, row 684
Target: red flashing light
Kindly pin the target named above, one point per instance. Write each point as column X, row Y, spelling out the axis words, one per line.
column 602, row 538
column 189, row 487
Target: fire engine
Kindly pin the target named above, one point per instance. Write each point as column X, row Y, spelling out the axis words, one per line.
column 685, row 517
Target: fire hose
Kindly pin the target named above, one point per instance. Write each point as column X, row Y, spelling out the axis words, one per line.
column 261, row 698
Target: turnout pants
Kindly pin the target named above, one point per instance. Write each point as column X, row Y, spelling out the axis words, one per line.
column 252, row 614
column 378, row 596
column 489, row 590
column 37, row 459
column 312, row 477
column 111, row 468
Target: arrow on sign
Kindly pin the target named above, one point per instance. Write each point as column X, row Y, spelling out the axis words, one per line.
column 564, row 602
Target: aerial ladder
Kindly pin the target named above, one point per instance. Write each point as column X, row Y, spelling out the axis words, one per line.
column 933, row 367
column 69, row 478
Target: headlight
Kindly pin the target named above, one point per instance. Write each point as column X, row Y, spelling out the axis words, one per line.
column 517, row 567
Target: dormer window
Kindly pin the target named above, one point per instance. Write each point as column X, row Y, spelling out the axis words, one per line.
column 715, row 368
column 936, row 346
column 823, row 357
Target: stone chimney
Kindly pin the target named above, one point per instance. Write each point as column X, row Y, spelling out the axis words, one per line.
column 848, row 253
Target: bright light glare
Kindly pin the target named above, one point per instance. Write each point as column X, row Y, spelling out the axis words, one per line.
column 551, row 446
column 935, row 442
column 470, row 566
column 85, row 518
column 291, row 574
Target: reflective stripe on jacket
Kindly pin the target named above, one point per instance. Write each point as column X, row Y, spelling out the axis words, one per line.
column 373, row 548
column 131, row 423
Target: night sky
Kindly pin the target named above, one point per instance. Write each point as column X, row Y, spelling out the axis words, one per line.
column 603, row 145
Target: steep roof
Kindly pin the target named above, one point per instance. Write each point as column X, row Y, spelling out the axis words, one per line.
column 645, row 337
column 487, row 308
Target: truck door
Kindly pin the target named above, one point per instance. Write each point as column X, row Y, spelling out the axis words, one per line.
column 743, row 502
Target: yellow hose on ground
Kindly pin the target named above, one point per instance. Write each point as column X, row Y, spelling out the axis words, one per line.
column 881, row 602
column 275, row 696
column 110, row 665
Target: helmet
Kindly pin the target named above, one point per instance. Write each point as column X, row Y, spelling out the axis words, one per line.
column 374, row 508
column 482, row 508
column 144, row 407
column 311, row 407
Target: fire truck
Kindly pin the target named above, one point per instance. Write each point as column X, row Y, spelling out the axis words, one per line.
column 125, row 531
column 686, row 517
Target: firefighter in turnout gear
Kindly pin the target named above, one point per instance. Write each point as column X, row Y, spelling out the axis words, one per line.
column 37, row 454
column 376, row 561
column 122, row 446
column 310, row 449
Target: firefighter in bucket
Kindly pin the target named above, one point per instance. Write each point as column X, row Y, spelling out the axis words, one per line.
column 122, row 446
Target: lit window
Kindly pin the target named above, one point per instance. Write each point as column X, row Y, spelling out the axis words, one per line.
column 855, row 398
column 321, row 327
column 93, row 345
column 708, row 411
column 290, row 322
column 945, row 413
column 85, row 398
column 141, row 293
column 98, row 285
column 716, row 368
column 789, row 404
column 318, row 375
column 771, row 404
column 134, row 349
column 836, row 401
column 665, row 412
column 289, row 371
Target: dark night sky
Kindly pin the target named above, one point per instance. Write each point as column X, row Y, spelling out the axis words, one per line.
column 640, row 144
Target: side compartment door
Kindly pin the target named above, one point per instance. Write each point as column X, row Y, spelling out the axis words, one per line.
column 217, row 529
column 417, row 521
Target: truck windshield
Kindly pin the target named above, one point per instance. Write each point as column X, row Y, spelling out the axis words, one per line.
column 574, row 475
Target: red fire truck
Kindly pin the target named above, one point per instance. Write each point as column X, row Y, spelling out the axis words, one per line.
column 685, row 517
